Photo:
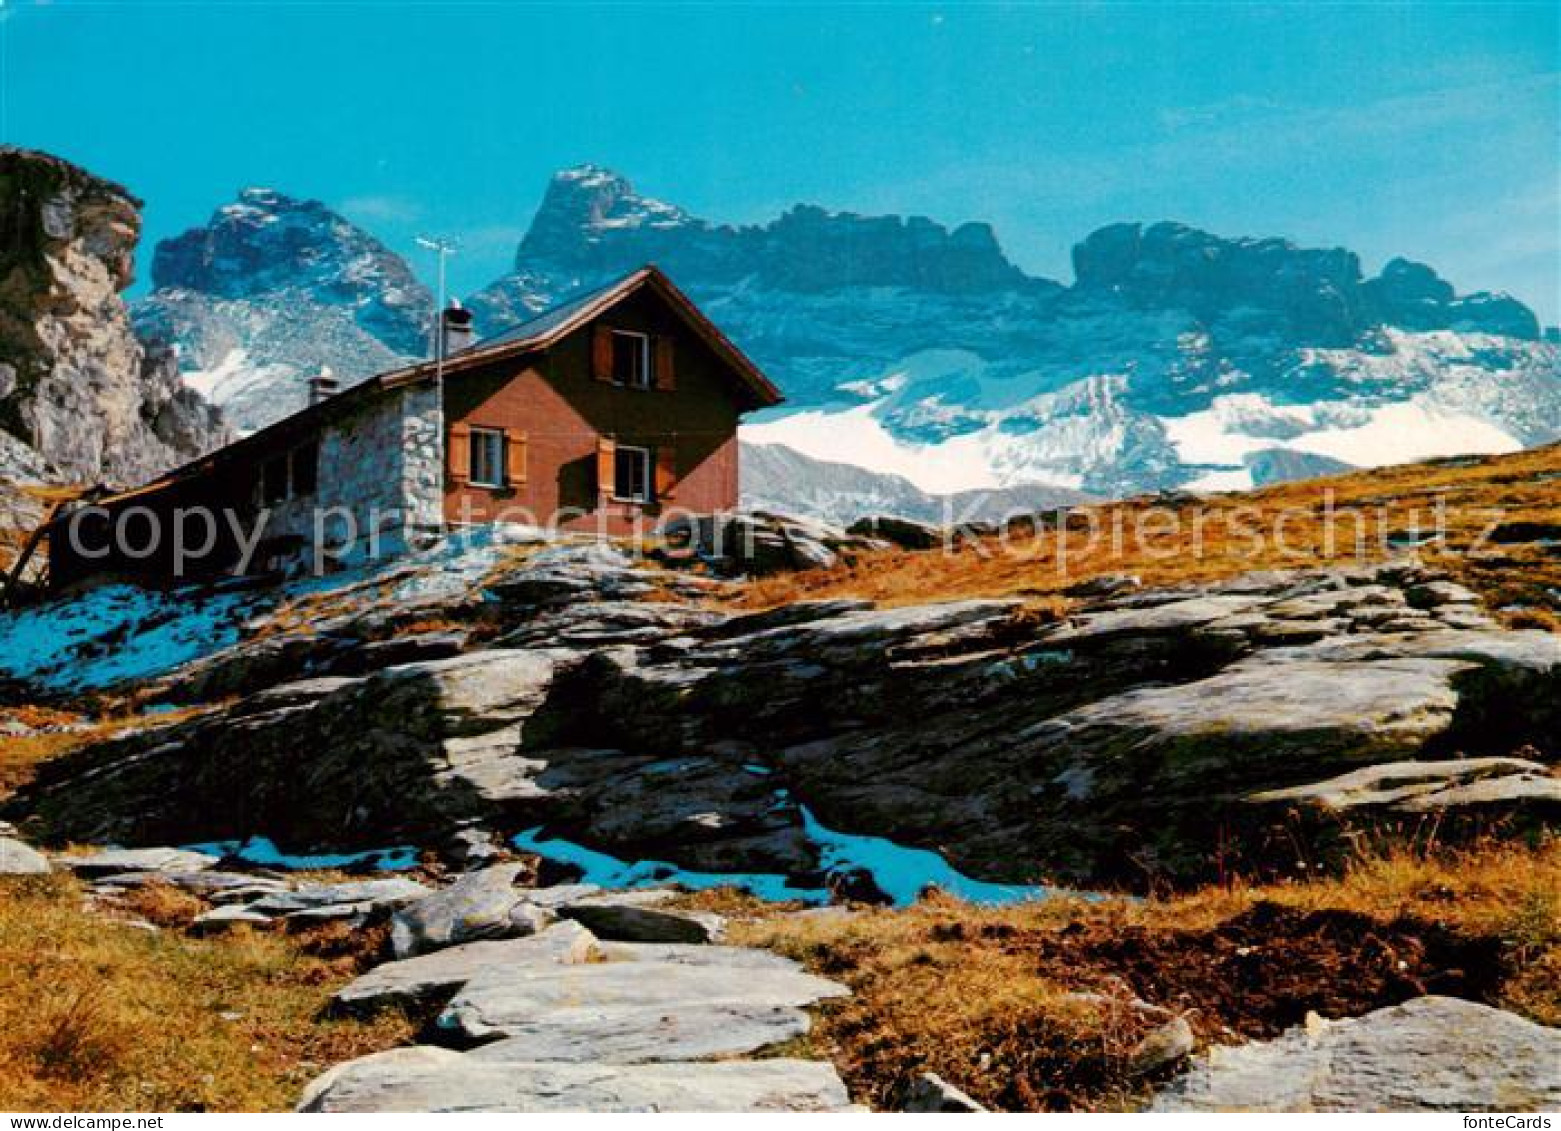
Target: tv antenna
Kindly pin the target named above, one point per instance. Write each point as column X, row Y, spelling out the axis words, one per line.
column 443, row 249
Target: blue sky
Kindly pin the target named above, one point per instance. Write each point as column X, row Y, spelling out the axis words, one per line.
column 1426, row 130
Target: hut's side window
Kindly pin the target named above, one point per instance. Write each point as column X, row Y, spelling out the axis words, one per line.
column 273, row 480
column 306, row 468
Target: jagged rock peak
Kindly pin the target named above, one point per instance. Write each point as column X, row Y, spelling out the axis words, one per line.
column 76, row 386
column 592, row 223
column 267, row 242
column 1414, row 296
column 1319, row 292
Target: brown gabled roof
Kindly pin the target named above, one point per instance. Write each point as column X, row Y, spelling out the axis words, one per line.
column 550, row 327
column 540, row 333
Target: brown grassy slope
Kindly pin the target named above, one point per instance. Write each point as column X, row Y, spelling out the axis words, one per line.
column 1336, row 520
column 99, row 1016
column 981, row 996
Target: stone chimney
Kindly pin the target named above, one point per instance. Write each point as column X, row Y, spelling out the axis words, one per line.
column 323, row 385
column 455, row 329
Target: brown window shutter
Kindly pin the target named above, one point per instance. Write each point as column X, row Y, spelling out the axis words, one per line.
column 460, row 453
column 606, row 467
column 666, row 470
column 666, row 363
column 601, row 352
column 515, row 458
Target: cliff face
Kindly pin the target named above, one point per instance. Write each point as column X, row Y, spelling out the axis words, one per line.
column 76, row 385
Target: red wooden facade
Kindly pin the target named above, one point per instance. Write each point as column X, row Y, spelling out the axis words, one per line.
column 571, row 420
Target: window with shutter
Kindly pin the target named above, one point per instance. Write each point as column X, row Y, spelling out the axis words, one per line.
column 487, row 457
column 606, row 467
column 601, row 353
column 631, row 474
column 631, row 359
column 458, row 456
column 666, row 471
column 666, row 360
column 515, row 458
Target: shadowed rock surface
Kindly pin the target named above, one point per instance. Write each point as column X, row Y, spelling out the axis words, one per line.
column 1106, row 747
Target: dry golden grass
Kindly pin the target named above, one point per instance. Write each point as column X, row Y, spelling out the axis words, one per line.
column 1335, row 520
column 981, row 996
column 99, row 1016
column 21, row 755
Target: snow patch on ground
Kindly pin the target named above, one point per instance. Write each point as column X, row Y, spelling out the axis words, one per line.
column 116, row 633
column 261, row 851
column 901, row 873
column 610, row 872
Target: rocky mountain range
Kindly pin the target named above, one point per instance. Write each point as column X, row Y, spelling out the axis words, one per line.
column 1176, row 358
column 81, row 397
column 270, row 291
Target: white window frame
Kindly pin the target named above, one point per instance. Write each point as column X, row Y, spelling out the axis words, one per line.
column 647, row 457
column 476, row 436
column 647, row 359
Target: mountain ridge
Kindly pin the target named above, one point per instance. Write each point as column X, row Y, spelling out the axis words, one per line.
column 1175, row 359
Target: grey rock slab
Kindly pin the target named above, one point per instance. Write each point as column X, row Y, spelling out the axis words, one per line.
column 739, row 957
column 559, row 894
column 425, row 1078
column 1411, row 699
column 223, row 918
column 1173, row 616
column 116, row 860
column 367, row 895
column 444, row 971
column 479, row 905
column 626, row 919
column 211, row 883
column 496, row 1001
column 1429, row 1054
column 18, row 859
column 1425, row 785
column 636, row 1034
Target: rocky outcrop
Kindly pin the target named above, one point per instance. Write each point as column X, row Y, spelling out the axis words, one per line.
column 76, row 385
column 1164, row 733
column 1429, row 1054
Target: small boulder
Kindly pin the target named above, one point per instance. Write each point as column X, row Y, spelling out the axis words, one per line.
column 18, row 859
column 1430, row 594
column 931, row 1093
column 1163, row 1046
column 480, row 905
column 625, row 918
column 327, row 901
column 906, row 533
